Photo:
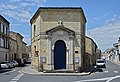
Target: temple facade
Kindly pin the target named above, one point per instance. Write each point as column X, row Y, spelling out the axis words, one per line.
column 58, row 38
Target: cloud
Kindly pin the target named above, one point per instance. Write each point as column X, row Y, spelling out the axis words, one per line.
column 93, row 20
column 44, row 0
column 22, row 16
column 27, row 39
column 20, row 10
column 3, row 6
column 14, row 0
column 106, row 34
column 25, row 4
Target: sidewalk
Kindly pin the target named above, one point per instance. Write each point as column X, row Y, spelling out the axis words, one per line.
column 117, row 63
column 29, row 70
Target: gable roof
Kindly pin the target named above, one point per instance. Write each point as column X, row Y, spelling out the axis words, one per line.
column 60, row 27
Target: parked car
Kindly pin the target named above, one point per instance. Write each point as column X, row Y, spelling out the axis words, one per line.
column 15, row 63
column 100, row 63
column 5, row 64
column 20, row 62
column 11, row 64
column 0, row 66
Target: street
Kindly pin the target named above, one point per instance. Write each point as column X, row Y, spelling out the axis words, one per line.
column 109, row 74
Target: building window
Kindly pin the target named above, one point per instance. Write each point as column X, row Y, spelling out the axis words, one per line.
column 7, row 30
column 1, row 27
column 6, row 57
column 35, row 52
column 34, row 48
column 76, row 52
column 34, row 30
column 2, row 41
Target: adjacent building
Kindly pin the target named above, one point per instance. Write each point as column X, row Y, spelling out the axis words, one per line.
column 18, row 48
column 19, row 39
column 13, row 47
column 92, row 53
column 4, row 39
column 58, row 38
column 116, row 55
column 113, row 53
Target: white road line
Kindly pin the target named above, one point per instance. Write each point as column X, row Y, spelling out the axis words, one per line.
column 12, row 81
column 97, row 72
column 10, row 71
column 101, row 79
column 105, row 71
column 115, row 71
column 19, row 76
column 15, row 79
column 112, row 78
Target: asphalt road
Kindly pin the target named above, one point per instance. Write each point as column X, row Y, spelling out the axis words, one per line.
column 109, row 74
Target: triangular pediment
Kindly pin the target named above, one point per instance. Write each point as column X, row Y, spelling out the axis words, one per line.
column 61, row 27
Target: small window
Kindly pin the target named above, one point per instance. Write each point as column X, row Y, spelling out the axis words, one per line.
column 76, row 52
column 34, row 30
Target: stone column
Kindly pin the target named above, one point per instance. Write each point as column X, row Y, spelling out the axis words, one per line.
column 49, row 53
column 71, row 54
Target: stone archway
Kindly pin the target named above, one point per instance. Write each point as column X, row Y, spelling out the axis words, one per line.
column 60, row 55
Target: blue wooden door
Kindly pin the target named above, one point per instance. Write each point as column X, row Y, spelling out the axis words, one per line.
column 60, row 55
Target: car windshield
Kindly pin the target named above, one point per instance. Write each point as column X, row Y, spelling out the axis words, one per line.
column 100, row 61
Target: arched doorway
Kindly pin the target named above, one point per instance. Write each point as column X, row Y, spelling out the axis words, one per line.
column 60, row 55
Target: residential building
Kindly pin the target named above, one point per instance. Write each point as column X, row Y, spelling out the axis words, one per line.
column 117, row 51
column 19, row 39
column 25, row 52
column 18, row 48
column 13, row 47
column 110, row 53
column 91, row 53
column 4, row 39
column 58, row 38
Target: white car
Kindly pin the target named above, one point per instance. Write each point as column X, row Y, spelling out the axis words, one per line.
column 100, row 63
column 5, row 64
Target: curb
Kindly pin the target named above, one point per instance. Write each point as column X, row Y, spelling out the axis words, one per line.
column 56, row 74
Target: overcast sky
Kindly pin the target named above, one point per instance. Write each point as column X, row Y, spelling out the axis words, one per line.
column 103, row 17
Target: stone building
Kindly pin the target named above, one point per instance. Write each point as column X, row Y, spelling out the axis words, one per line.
column 18, row 48
column 25, row 52
column 4, row 39
column 58, row 38
column 19, row 39
column 13, row 49
column 90, row 52
column 116, row 54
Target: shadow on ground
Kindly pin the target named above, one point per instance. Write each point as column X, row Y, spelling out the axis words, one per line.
column 4, row 70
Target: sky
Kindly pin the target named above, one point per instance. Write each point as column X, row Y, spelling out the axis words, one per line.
column 103, row 17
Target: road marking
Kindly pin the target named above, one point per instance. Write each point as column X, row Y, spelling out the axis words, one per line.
column 19, row 76
column 10, row 71
column 105, row 71
column 12, row 81
column 115, row 71
column 101, row 79
column 15, row 79
column 112, row 78
column 97, row 72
